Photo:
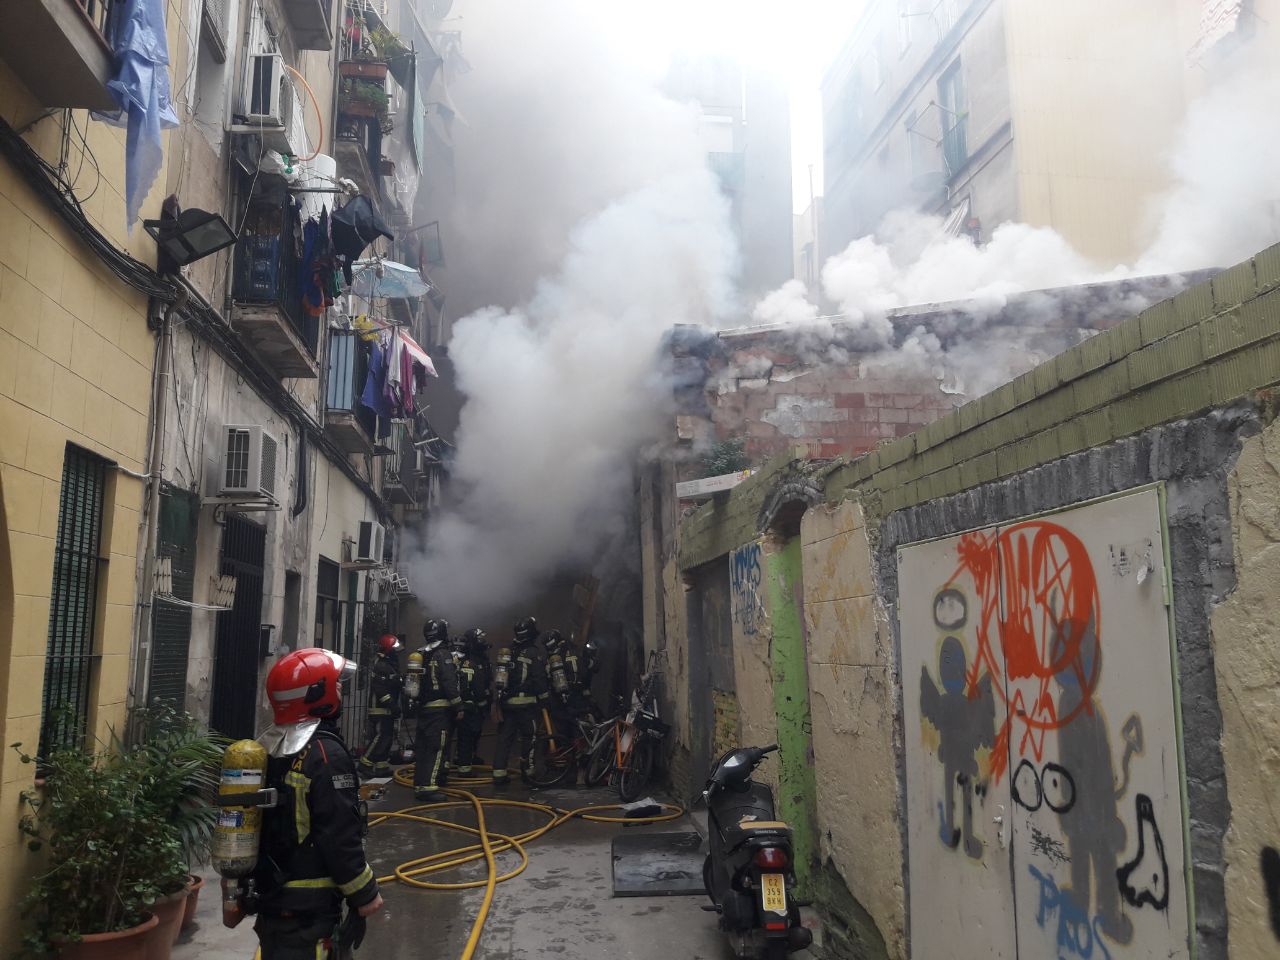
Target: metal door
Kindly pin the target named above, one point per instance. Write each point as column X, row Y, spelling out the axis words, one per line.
column 961, row 886
column 1095, row 769
column 171, row 623
column 236, row 650
column 1053, row 693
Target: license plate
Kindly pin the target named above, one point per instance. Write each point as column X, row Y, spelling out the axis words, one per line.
column 773, row 892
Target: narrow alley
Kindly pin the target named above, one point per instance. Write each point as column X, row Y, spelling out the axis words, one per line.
column 561, row 906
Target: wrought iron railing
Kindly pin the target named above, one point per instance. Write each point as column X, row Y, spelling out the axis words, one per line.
column 98, row 13
column 267, row 269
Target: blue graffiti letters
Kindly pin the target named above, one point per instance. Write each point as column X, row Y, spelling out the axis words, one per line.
column 746, row 576
column 1076, row 935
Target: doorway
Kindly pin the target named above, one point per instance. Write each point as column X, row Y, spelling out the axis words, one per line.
column 236, row 647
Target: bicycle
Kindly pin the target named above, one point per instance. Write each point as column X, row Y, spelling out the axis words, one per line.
column 557, row 757
column 637, row 736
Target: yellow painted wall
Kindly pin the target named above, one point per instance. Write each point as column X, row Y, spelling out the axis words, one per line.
column 851, row 700
column 1247, row 661
column 1097, row 90
column 75, row 367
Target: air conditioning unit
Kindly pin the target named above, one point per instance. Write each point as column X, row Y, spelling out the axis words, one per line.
column 248, row 463
column 263, row 105
column 369, row 542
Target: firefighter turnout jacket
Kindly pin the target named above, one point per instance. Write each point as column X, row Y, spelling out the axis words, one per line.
column 312, row 854
column 527, row 682
column 439, row 681
column 385, row 687
column 475, row 680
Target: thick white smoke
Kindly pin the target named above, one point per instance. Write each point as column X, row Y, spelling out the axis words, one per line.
column 561, row 394
column 1223, row 206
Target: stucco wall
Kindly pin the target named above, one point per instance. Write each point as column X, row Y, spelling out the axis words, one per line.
column 852, row 682
column 1247, row 658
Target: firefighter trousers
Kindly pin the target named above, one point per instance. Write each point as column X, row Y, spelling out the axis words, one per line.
column 431, row 749
column 467, row 738
column 519, row 724
column 299, row 938
column 378, row 750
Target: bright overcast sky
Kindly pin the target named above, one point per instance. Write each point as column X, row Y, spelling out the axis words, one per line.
column 796, row 37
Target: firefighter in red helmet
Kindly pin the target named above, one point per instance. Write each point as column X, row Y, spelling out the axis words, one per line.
column 312, row 856
column 384, row 709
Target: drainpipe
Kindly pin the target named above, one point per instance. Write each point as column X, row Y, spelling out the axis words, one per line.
column 151, row 522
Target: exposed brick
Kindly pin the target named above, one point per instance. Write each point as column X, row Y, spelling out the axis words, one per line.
column 908, row 401
column 905, row 429
column 893, row 415
column 850, row 401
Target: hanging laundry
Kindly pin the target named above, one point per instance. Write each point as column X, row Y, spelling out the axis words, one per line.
column 395, row 376
column 373, row 395
column 355, row 226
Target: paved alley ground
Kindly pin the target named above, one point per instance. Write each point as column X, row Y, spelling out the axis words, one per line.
column 560, row 908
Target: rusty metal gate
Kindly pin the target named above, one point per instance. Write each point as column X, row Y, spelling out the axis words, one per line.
column 236, row 648
column 355, row 626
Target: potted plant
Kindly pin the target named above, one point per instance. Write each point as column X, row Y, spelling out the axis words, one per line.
column 184, row 762
column 388, row 44
column 118, row 827
column 107, row 860
column 364, row 98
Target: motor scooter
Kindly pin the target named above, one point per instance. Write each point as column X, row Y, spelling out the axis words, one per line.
column 749, row 873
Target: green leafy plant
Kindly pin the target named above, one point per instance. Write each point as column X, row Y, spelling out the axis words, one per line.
column 726, row 456
column 388, row 43
column 370, row 93
column 117, row 826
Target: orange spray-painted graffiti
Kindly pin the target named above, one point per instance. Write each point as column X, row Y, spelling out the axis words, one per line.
column 1039, row 618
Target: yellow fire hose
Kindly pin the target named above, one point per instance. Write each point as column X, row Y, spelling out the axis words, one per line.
column 490, row 844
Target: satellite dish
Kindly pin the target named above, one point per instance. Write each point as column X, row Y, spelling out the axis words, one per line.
column 439, row 9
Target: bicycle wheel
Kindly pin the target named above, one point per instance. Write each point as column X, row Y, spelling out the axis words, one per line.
column 601, row 763
column 552, row 765
column 634, row 775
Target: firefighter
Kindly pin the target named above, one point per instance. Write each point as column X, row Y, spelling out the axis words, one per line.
column 579, row 670
column 521, row 701
column 475, row 677
column 438, row 703
column 312, row 856
column 384, row 709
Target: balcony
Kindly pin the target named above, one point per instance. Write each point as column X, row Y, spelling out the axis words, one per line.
column 363, row 107
column 267, row 309
column 348, row 422
column 311, row 22
column 71, row 61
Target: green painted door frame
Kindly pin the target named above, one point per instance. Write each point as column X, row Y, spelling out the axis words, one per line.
column 797, row 793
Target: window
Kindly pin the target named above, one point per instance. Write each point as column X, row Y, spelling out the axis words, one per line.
column 328, row 575
column 73, row 601
column 954, row 119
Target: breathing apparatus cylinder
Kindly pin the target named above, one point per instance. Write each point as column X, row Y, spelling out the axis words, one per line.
column 239, row 829
column 413, row 676
column 559, row 679
column 502, row 670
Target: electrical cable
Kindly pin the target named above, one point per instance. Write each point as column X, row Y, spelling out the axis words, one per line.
column 319, row 116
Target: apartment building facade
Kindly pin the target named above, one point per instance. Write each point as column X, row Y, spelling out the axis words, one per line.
column 987, row 111
column 192, row 477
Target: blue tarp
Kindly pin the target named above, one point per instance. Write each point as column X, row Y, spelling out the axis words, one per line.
column 141, row 88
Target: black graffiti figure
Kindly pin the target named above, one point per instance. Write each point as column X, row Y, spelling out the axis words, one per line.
column 1145, row 878
column 1091, row 824
column 1271, row 882
column 965, row 723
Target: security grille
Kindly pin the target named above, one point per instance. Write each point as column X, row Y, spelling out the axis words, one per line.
column 269, row 464
column 171, row 623
column 216, row 20
column 73, row 601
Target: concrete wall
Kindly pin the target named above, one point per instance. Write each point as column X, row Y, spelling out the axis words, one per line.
column 1180, row 397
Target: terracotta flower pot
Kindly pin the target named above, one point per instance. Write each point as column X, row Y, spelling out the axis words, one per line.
column 357, row 108
column 364, row 69
column 194, row 887
column 128, row 944
column 168, row 911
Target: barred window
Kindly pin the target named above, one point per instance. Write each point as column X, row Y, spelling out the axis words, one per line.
column 73, row 603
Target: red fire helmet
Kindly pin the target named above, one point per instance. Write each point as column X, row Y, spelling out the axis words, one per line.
column 388, row 643
column 306, row 685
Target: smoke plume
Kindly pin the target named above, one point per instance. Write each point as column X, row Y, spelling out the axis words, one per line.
column 561, row 378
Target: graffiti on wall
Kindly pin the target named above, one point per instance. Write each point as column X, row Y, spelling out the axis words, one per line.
column 746, row 577
column 1023, row 702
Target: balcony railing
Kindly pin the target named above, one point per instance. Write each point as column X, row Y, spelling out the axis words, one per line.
column 348, row 422
column 399, row 468
column 268, row 300
column 60, row 50
column 98, row 13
